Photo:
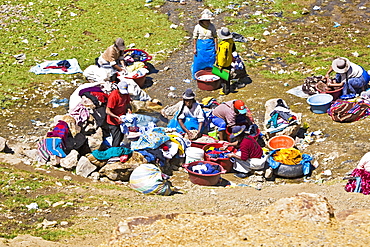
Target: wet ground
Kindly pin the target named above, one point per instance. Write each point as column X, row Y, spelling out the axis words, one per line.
column 340, row 151
column 345, row 143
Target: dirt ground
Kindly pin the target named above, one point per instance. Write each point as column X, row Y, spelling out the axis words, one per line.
column 344, row 145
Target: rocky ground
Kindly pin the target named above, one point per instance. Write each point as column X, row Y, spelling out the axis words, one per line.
column 339, row 151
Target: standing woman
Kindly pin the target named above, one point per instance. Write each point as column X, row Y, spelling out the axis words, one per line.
column 204, row 42
column 225, row 55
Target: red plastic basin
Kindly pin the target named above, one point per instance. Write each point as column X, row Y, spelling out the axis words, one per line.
column 224, row 162
column 279, row 142
column 203, row 179
column 207, row 85
column 202, row 144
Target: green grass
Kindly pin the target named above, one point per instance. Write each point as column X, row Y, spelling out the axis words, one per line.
column 76, row 29
column 20, row 188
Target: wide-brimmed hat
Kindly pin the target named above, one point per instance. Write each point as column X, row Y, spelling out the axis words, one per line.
column 120, row 44
column 224, row 33
column 188, row 94
column 122, row 87
column 341, row 65
column 240, row 106
column 237, row 130
column 205, row 17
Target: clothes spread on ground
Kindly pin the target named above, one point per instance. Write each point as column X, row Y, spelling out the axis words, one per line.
column 150, row 139
column 345, row 111
column 148, row 179
column 281, row 117
column 205, row 168
column 63, row 65
column 42, row 68
column 111, row 152
column 51, row 146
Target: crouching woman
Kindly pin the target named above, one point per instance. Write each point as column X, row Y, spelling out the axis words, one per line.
column 189, row 117
column 250, row 155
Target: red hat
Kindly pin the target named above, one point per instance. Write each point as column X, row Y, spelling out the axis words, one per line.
column 240, row 106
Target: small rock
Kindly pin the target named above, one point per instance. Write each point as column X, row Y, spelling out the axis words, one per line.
column 32, row 206
column 45, row 224
column 95, row 176
column 64, row 223
column 57, row 204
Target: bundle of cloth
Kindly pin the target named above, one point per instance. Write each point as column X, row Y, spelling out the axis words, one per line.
column 148, row 179
column 360, row 178
column 280, row 120
column 345, row 112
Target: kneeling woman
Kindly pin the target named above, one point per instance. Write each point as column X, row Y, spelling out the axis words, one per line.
column 353, row 78
column 250, row 155
column 189, row 117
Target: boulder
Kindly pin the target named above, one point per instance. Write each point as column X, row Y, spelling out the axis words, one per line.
column 122, row 171
column 70, row 161
column 354, row 217
column 84, row 167
column 303, row 206
column 94, row 141
column 32, row 154
column 118, row 171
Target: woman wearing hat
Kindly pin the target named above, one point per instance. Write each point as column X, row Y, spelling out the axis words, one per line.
column 204, row 43
column 190, row 116
column 111, row 57
column 352, row 77
column 224, row 56
column 250, row 155
column 118, row 104
column 229, row 114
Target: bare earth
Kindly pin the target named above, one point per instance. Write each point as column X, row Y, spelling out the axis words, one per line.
column 344, row 146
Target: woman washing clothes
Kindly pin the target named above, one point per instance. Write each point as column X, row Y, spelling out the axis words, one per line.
column 189, row 117
column 250, row 155
column 204, row 42
column 352, row 77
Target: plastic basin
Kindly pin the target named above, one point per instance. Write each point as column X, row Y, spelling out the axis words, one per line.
column 320, row 103
column 289, row 171
column 336, row 93
column 202, row 144
column 278, row 142
column 224, row 162
column 207, row 81
column 203, row 179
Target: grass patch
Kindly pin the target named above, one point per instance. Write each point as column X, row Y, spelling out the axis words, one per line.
column 75, row 29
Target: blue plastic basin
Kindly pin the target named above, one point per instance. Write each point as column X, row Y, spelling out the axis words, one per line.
column 320, row 103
